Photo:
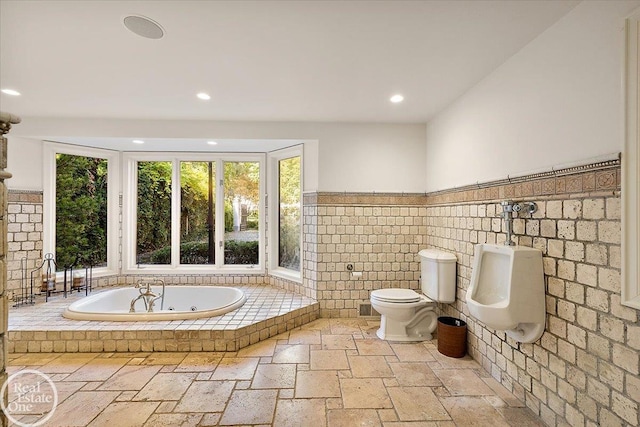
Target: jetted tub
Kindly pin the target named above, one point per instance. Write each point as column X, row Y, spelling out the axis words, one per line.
column 180, row 303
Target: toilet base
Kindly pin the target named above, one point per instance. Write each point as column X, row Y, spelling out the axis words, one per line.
column 419, row 328
column 402, row 338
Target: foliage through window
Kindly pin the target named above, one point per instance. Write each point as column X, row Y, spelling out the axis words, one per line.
column 81, row 211
column 289, row 213
column 217, row 212
column 153, row 242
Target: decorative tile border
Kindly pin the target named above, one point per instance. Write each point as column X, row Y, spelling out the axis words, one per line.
column 364, row 199
column 594, row 177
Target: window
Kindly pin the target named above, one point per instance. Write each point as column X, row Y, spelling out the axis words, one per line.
column 286, row 235
column 289, row 213
column 80, row 207
column 241, row 213
column 153, row 213
column 197, row 212
column 193, row 212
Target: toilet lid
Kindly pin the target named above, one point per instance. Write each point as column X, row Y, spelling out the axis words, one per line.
column 395, row 295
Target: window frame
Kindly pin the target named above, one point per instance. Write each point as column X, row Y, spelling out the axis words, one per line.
column 274, row 158
column 130, row 162
column 50, row 150
column 630, row 295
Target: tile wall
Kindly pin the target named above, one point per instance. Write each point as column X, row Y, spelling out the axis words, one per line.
column 24, row 235
column 584, row 371
column 378, row 234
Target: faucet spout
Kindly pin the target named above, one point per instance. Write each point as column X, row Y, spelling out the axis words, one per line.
column 147, row 296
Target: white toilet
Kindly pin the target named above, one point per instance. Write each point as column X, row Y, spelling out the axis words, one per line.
column 408, row 315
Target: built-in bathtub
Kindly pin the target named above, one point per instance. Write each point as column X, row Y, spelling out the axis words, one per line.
column 178, row 303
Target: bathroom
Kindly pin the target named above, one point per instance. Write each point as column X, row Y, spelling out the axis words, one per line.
column 440, row 185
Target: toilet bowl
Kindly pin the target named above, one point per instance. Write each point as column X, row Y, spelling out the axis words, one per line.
column 507, row 290
column 407, row 315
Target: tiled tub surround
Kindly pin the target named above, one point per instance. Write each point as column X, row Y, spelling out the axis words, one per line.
column 268, row 311
column 584, row 371
column 330, row 372
column 379, row 234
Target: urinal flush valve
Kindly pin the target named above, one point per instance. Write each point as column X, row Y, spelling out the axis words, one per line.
column 508, row 207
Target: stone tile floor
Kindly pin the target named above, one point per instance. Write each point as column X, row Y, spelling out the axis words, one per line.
column 330, row 372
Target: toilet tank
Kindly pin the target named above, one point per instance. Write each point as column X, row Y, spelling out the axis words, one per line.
column 438, row 275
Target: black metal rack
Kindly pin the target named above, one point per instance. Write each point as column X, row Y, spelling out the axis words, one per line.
column 43, row 280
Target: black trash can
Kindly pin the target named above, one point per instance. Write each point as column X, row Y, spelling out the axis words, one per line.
column 452, row 336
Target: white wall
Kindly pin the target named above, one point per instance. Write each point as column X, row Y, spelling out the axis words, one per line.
column 24, row 163
column 557, row 101
column 347, row 156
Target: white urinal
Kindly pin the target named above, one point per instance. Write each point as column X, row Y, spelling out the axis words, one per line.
column 507, row 290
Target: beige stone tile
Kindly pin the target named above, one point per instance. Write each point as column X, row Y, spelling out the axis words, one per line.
column 210, row 420
column 414, row 374
column 374, row 347
column 369, row 366
column 235, row 368
column 521, row 417
column 317, row 384
column 502, row 392
column 364, row 393
column 82, row 407
column 166, row 386
column 260, row 349
column 328, row 359
column 412, row 352
column 353, row 417
column 166, row 406
column 303, row 336
column 36, row 359
column 199, row 362
column 205, row 396
column 347, row 326
column 71, row 362
column 165, row 358
column 447, row 362
column 417, row 404
column 419, row 424
column 173, row 420
column 472, row 411
column 126, row 396
column 125, row 414
column 300, row 412
column 98, row 370
column 130, row 377
column 285, row 353
column 250, row 407
column 274, row 376
column 338, row 342
column 66, row 389
column 463, row 382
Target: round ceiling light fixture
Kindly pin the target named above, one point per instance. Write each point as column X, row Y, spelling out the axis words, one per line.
column 204, row 96
column 143, row 26
column 396, row 98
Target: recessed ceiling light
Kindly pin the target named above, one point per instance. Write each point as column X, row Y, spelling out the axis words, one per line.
column 396, row 98
column 138, row 141
column 212, row 143
column 143, row 26
column 11, row 92
column 204, row 96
